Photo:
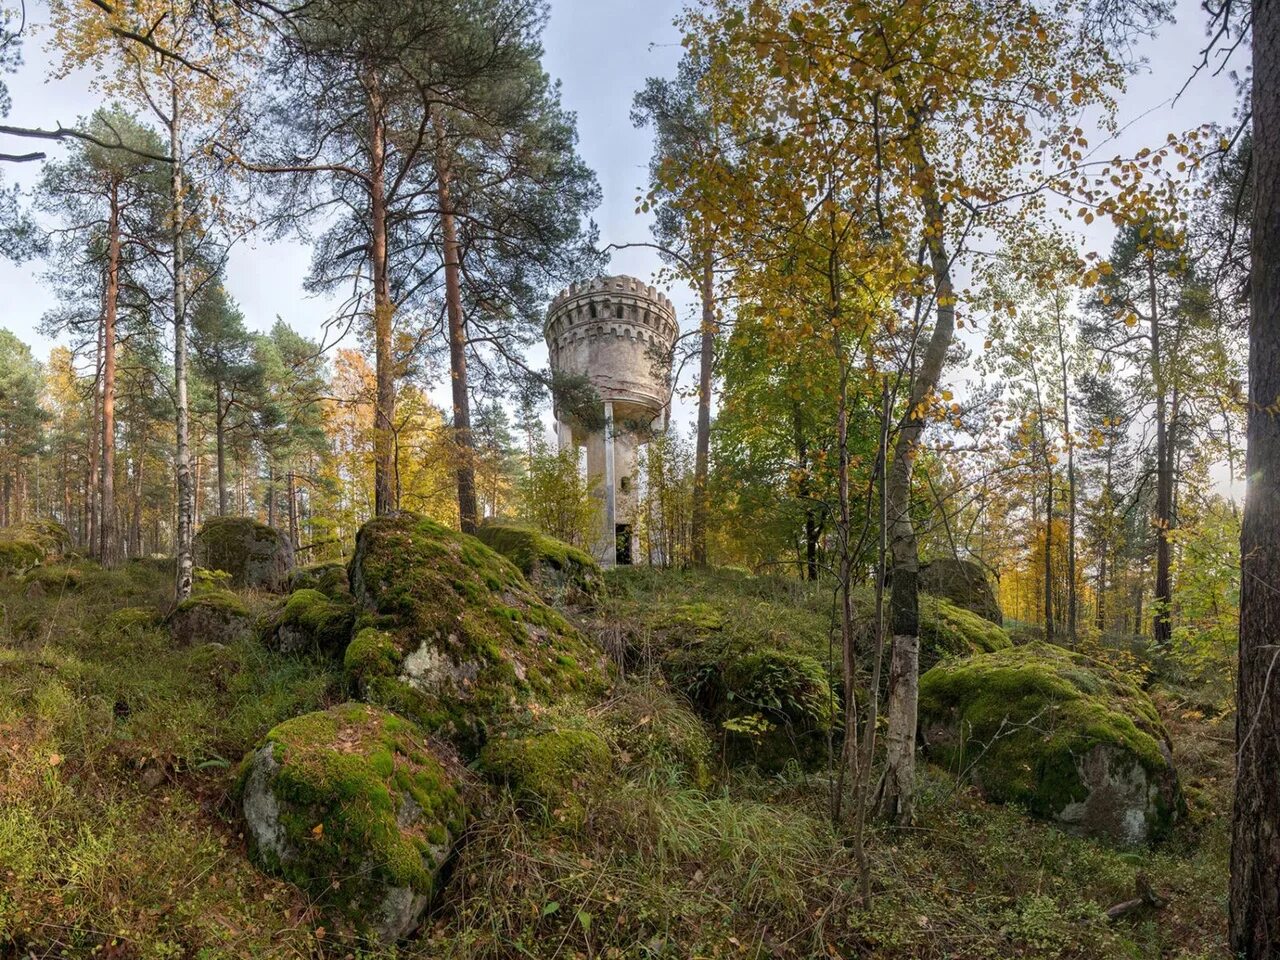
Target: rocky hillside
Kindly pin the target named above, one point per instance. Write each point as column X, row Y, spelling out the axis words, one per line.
column 435, row 751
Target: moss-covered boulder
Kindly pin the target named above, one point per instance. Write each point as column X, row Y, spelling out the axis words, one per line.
column 965, row 584
column 355, row 807
column 772, row 705
column 211, row 615
column 947, row 630
column 451, row 634
column 1067, row 737
column 555, row 772
column 330, row 578
column 30, row 543
column 559, row 572
column 255, row 555
column 311, row 622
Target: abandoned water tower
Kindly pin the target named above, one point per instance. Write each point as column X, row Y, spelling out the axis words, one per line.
column 618, row 333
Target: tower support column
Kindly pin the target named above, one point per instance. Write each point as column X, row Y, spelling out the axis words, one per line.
column 610, row 539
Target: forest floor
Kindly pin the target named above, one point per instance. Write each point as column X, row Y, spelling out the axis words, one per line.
column 120, row 835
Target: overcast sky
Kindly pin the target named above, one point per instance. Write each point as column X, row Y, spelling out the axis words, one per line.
column 601, row 50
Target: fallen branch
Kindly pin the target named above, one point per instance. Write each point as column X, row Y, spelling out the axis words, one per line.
column 1147, row 897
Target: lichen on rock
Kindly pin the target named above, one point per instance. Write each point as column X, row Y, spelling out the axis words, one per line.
column 353, row 805
column 559, row 571
column 255, row 555
column 1065, row 736
column 452, row 635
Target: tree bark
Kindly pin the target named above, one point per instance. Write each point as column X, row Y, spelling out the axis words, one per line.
column 107, row 546
column 897, row 788
column 220, row 443
column 1255, row 840
column 1048, row 550
column 1161, row 625
column 457, row 335
column 702, row 454
column 384, row 468
column 293, row 511
column 182, row 455
column 1072, row 598
column 90, row 538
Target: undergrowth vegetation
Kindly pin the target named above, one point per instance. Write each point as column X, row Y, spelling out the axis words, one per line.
column 120, row 837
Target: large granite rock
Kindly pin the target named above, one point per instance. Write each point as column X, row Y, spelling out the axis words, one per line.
column 355, row 807
column 1067, row 737
column 965, row 584
column 255, row 555
column 210, row 615
column 452, row 635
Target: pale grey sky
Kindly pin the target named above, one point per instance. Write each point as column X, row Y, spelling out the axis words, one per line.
column 601, row 50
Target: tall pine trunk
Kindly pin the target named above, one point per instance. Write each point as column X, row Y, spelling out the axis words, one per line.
column 702, row 454
column 457, row 334
column 1255, row 836
column 107, row 545
column 384, row 467
column 92, row 489
column 1161, row 626
column 220, row 442
column 182, row 454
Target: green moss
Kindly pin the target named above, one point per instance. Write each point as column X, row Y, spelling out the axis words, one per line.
column 772, row 705
column 254, row 554
column 1020, row 721
column 947, row 630
column 215, row 600
column 555, row 772
column 698, row 616
column 129, row 620
column 363, row 808
column 460, row 638
column 311, row 621
column 30, row 543
column 371, row 654
column 210, row 616
column 551, row 565
column 329, row 578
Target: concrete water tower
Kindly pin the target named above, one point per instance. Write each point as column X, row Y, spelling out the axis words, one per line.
column 618, row 332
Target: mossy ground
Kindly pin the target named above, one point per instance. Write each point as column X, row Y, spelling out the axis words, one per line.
column 732, row 864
